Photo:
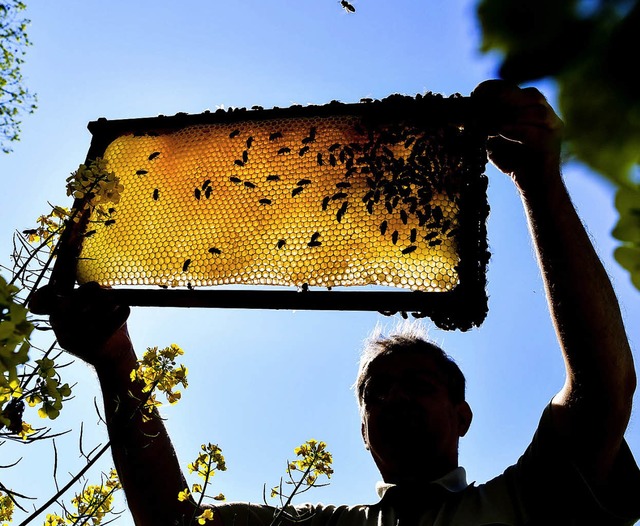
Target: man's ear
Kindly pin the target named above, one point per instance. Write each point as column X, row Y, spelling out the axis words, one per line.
column 465, row 415
column 365, row 438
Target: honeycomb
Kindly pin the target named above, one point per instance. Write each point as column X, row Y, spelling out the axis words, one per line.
column 324, row 201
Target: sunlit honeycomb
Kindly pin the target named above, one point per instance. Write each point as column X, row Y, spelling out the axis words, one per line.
column 314, row 201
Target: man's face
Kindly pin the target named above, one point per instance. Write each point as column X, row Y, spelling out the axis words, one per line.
column 409, row 422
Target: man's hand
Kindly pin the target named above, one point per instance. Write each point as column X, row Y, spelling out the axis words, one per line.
column 525, row 133
column 85, row 323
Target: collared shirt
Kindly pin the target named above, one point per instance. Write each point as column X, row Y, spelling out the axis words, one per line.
column 542, row 488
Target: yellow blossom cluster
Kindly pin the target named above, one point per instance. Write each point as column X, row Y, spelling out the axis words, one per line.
column 314, row 461
column 49, row 392
column 6, row 510
column 158, row 371
column 209, row 460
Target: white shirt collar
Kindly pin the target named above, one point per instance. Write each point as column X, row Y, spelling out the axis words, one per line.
column 454, row 481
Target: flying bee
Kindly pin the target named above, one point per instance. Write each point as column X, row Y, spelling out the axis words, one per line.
column 409, row 249
column 303, row 182
column 342, row 211
column 245, row 156
column 303, row 150
column 214, row 250
column 275, row 136
column 234, row 133
column 153, row 155
column 197, row 193
column 249, row 142
column 142, row 172
column 296, row 191
column 325, row 202
column 156, row 194
column 383, row 227
column 185, row 265
column 265, row 201
column 235, row 180
column 238, row 162
column 249, row 184
column 280, row 243
column 394, row 237
column 283, row 151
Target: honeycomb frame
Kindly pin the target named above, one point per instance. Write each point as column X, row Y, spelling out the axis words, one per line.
column 219, row 207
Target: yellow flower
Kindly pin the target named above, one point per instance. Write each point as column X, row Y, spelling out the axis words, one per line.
column 207, row 515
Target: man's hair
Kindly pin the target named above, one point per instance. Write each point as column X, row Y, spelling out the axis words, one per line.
column 408, row 337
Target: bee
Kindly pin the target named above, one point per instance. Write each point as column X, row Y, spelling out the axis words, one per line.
column 334, row 146
column 234, row 133
column 153, row 155
column 189, row 285
column 185, row 265
column 296, row 191
column 273, row 177
column 435, row 242
column 283, row 151
column 343, row 185
column 347, row 6
column 437, row 213
column 404, row 217
column 304, row 287
column 303, row 150
column 409, row 142
column 245, row 156
column 275, row 136
column 197, row 193
column 207, row 192
column 89, row 233
column 383, row 227
column 311, row 137
column 249, row 142
column 238, row 162
column 370, row 206
column 394, row 237
column 206, row 183
column 265, row 201
column 163, row 286
column 214, row 250
column 303, row 182
column 249, row 184
column 409, row 249
column 142, row 172
column 319, row 159
column 413, row 235
column 257, row 107
column 234, row 179
column 156, row 194
column 281, row 243
column 339, row 195
column 325, row 202
column 332, row 160
column 314, row 243
column 342, row 211
column 315, row 236
column 452, row 232
column 430, row 235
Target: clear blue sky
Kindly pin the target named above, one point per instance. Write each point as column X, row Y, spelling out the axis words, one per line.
column 262, row 382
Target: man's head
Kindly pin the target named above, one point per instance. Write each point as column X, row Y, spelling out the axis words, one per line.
column 412, row 401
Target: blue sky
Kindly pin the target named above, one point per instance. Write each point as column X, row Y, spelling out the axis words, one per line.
column 262, row 382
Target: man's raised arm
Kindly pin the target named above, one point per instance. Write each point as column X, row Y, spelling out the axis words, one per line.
column 593, row 408
column 142, row 451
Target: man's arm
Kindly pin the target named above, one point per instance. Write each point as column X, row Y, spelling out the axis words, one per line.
column 593, row 408
column 142, row 450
